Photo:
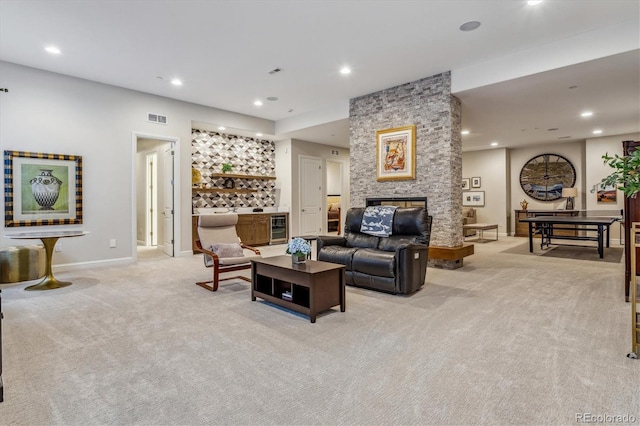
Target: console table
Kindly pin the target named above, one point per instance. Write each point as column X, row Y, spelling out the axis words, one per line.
column 49, row 239
column 522, row 227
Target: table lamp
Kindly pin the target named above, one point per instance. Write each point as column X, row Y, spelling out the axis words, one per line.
column 569, row 194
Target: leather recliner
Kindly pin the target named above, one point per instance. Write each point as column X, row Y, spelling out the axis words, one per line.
column 393, row 264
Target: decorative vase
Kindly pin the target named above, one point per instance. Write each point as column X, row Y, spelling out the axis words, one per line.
column 46, row 189
column 298, row 258
column 524, row 204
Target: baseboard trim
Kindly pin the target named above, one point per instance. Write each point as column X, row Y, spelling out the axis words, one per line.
column 84, row 265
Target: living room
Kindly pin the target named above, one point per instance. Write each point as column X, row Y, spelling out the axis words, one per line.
column 505, row 339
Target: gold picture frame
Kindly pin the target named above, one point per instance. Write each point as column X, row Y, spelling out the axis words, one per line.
column 42, row 189
column 396, row 153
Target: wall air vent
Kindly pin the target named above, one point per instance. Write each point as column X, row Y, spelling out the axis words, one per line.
column 275, row 71
column 156, row 118
column 335, row 152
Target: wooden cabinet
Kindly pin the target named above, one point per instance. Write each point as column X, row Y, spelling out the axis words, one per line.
column 253, row 229
column 634, row 242
column 522, row 228
column 631, row 214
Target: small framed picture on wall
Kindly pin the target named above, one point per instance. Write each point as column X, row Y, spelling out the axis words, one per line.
column 465, row 184
column 473, row 199
column 475, row 182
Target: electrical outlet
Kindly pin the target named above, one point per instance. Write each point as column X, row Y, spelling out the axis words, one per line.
column 58, row 246
column 112, row 243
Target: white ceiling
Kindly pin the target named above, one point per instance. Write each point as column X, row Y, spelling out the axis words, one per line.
column 223, row 51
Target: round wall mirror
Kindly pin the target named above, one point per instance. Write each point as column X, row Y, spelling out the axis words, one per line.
column 544, row 176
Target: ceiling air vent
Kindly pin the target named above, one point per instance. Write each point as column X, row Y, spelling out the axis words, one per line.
column 275, row 71
column 156, row 118
column 335, row 152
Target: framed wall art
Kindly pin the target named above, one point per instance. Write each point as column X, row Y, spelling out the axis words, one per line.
column 475, row 182
column 607, row 194
column 396, row 153
column 473, row 199
column 466, row 184
column 42, row 189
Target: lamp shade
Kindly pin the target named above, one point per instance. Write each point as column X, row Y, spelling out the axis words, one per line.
column 569, row 192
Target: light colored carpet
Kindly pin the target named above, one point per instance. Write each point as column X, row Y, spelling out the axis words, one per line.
column 505, row 340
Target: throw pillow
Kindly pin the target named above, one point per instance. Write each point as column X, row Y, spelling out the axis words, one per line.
column 227, row 250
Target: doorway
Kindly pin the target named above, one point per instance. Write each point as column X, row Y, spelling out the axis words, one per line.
column 335, row 200
column 153, row 196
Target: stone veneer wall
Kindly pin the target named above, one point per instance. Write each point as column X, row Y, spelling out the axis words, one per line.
column 429, row 105
column 247, row 156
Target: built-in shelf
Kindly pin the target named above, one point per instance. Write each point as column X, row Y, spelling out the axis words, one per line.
column 234, row 190
column 230, row 175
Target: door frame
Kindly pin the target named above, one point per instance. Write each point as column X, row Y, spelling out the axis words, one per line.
column 176, row 189
column 151, row 202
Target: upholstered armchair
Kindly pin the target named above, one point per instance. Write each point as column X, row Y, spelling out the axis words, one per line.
column 222, row 249
column 469, row 217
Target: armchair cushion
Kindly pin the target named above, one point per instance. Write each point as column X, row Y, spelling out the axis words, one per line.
column 227, row 250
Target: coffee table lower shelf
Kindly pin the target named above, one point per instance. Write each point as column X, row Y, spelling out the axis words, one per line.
column 312, row 287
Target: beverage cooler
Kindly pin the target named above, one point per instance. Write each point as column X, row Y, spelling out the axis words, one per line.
column 278, row 229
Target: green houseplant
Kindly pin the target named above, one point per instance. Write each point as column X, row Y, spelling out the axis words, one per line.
column 226, row 167
column 626, row 174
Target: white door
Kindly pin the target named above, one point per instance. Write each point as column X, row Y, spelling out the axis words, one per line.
column 310, row 182
column 168, row 201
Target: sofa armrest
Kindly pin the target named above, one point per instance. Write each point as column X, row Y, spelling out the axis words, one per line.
column 411, row 263
column 329, row 240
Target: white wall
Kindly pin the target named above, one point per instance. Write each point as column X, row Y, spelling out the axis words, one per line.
column 334, row 177
column 500, row 172
column 596, row 170
column 492, row 167
column 298, row 148
column 53, row 113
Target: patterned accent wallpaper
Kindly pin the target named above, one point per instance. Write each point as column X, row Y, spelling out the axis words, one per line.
column 247, row 156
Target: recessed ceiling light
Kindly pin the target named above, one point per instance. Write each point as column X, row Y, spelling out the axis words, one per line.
column 494, row 143
column 469, row 26
column 258, row 134
column 597, row 131
column 258, row 103
column 221, row 128
column 176, row 82
column 52, row 49
column 465, row 132
column 586, row 114
column 534, row 2
column 345, row 70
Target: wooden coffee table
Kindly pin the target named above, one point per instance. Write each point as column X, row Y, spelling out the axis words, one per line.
column 308, row 288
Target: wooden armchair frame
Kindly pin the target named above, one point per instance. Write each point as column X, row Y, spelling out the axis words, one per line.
column 225, row 226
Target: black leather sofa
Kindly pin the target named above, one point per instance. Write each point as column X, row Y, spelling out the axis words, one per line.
column 394, row 264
